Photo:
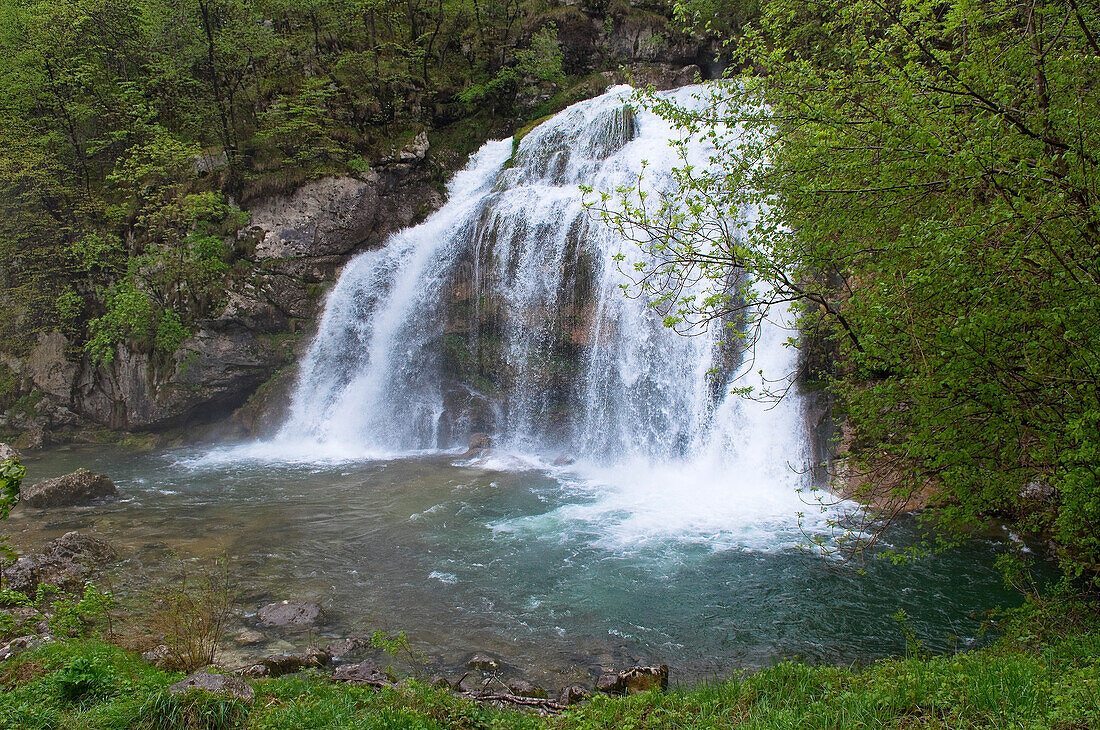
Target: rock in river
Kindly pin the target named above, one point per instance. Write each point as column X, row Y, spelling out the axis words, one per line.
column 80, row 487
column 290, row 614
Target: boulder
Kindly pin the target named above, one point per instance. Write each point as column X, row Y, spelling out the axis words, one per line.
column 66, row 563
column 365, row 672
column 7, row 452
column 35, row 437
column 572, row 694
column 249, row 637
column 634, row 680
column 280, row 664
column 439, row 682
column 80, row 487
column 339, row 215
column 215, row 684
column 523, row 688
column 290, row 614
column 73, row 546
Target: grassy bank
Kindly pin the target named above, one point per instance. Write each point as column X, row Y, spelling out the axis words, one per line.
column 1043, row 672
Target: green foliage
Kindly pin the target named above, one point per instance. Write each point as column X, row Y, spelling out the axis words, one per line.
column 85, row 679
column 190, row 612
column 11, row 479
column 194, row 710
column 118, row 118
column 300, row 126
column 925, row 174
column 541, row 61
column 78, row 616
column 721, row 18
column 9, row 597
column 398, row 646
column 130, row 318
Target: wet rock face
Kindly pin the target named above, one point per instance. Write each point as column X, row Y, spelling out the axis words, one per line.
column 296, row 245
column 67, row 563
column 215, row 684
column 336, row 215
column 80, row 487
column 294, row 615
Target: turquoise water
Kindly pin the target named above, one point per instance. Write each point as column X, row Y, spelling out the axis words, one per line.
column 515, row 561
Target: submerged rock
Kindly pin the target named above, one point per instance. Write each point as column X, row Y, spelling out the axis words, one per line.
column 290, row 614
column 80, row 487
column 215, row 684
column 484, row 662
column 248, row 637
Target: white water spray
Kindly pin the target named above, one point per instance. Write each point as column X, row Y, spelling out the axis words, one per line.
column 549, row 355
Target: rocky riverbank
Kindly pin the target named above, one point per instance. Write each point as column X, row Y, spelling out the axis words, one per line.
column 53, row 595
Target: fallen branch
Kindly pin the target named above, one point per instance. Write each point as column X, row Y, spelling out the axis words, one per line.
column 544, row 705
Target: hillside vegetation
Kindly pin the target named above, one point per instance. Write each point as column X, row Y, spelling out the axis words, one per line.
column 135, row 131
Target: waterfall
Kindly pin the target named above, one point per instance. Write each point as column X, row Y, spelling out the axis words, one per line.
column 504, row 313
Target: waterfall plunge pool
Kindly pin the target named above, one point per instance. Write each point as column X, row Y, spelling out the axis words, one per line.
column 547, row 568
column 503, row 313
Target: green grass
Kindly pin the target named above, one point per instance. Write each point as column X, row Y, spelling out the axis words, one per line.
column 1043, row 673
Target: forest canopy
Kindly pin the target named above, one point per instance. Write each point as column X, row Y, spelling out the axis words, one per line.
column 135, row 131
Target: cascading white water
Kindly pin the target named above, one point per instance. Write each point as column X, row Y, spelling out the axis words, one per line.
column 546, row 352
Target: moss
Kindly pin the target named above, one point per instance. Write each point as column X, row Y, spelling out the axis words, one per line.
column 25, row 405
column 9, row 387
